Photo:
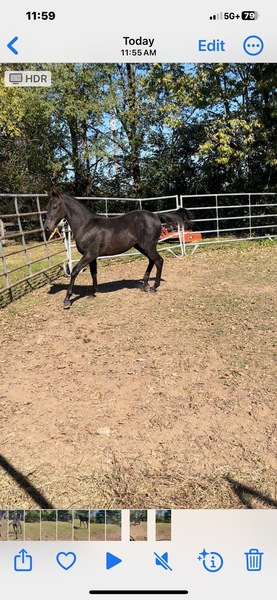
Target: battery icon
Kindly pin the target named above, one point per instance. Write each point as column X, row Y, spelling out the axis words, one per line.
column 249, row 15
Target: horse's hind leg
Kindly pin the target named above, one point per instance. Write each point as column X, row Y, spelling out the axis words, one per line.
column 93, row 272
column 145, row 285
column 157, row 260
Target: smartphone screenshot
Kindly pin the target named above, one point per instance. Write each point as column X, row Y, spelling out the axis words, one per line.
column 138, row 226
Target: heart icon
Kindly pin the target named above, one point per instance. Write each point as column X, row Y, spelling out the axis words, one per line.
column 66, row 560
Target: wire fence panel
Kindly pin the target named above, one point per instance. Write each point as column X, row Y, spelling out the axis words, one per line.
column 25, row 252
column 222, row 218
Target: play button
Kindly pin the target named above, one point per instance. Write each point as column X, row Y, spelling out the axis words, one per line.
column 112, row 560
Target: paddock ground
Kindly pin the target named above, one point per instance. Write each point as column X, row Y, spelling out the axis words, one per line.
column 139, row 531
column 130, row 400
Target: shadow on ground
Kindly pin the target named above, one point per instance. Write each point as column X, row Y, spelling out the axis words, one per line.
column 246, row 494
column 82, row 291
column 25, row 484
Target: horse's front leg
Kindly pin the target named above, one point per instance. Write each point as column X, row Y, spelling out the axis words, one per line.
column 93, row 272
column 75, row 271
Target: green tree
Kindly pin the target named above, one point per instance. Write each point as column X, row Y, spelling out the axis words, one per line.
column 32, row 516
column 48, row 515
column 141, row 130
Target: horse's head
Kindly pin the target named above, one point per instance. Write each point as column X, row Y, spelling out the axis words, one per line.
column 56, row 210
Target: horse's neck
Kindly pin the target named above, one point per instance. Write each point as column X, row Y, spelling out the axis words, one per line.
column 77, row 215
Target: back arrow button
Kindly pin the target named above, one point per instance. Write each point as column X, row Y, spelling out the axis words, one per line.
column 11, row 43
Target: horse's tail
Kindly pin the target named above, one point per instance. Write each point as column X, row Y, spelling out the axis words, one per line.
column 181, row 216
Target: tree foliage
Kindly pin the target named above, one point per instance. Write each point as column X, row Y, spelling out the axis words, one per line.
column 141, row 130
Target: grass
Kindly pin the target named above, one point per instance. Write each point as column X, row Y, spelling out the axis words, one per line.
column 163, row 532
column 97, row 532
column 211, row 245
column 64, row 531
column 39, row 258
column 113, row 533
column 47, row 267
column 32, row 531
column 48, row 531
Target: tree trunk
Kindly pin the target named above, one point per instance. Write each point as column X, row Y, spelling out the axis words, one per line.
column 133, row 139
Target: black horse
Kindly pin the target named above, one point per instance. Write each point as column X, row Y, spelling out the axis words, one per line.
column 82, row 519
column 97, row 236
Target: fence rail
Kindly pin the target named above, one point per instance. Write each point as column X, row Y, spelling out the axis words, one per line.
column 25, row 252
column 219, row 213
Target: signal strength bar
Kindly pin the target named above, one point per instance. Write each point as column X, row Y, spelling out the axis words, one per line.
column 217, row 16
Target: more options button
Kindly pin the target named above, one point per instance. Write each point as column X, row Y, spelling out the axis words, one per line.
column 215, row 45
column 253, row 45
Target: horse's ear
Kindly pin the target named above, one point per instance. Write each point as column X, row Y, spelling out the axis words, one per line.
column 55, row 193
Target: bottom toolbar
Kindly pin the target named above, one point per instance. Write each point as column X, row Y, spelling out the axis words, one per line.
column 209, row 554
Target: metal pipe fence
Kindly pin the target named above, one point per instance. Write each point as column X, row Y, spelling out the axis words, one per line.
column 25, row 251
column 222, row 218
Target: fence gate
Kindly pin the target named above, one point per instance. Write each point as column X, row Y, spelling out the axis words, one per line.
column 25, row 253
column 222, row 218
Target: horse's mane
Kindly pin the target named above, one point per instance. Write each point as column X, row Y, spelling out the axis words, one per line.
column 55, row 193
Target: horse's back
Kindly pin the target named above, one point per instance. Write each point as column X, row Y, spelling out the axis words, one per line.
column 142, row 223
column 118, row 234
column 136, row 215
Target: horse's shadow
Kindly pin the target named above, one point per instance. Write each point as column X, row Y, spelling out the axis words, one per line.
column 82, row 291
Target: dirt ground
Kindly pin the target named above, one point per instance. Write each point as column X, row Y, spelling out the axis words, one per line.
column 138, row 533
column 130, row 400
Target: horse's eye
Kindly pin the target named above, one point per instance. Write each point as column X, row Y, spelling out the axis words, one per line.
column 55, row 206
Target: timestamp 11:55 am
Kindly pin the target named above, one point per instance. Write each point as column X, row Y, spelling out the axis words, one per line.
column 138, row 52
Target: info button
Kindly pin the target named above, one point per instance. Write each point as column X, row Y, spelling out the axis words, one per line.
column 215, row 45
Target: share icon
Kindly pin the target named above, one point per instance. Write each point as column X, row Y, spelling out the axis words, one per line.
column 162, row 561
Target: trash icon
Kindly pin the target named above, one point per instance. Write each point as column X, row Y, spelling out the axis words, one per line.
column 253, row 560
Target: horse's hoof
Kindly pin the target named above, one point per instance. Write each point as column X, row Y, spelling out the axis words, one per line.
column 153, row 290
column 91, row 296
column 145, row 288
column 67, row 304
